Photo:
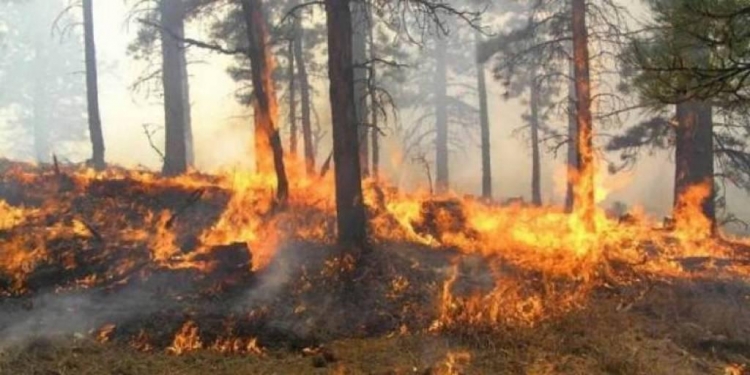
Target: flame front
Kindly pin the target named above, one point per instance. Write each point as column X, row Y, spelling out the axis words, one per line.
column 543, row 262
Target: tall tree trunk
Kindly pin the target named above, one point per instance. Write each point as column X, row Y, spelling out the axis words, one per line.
column 375, row 146
column 485, row 128
column 572, row 162
column 360, row 28
column 350, row 211
column 266, row 106
column 92, row 88
column 373, row 99
column 189, row 143
column 441, row 117
column 584, row 203
column 304, row 84
column 292, row 102
column 175, row 121
column 694, row 159
column 536, row 177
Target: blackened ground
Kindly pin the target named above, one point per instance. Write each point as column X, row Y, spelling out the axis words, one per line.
column 313, row 312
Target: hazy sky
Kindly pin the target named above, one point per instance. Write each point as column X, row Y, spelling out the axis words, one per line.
column 222, row 128
column 214, row 109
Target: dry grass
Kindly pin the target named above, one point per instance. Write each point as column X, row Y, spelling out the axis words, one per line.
column 667, row 332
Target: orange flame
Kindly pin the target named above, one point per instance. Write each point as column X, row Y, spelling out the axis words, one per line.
column 186, row 340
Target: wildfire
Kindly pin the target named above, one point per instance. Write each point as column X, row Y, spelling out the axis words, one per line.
column 237, row 345
column 691, row 224
column 163, row 244
column 11, row 216
column 142, row 342
column 104, row 333
column 455, row 363
column 540, row 261
column 187, row 339
column 735, row 369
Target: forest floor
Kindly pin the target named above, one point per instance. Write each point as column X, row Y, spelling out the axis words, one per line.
column 82, row 292
column 658, row 340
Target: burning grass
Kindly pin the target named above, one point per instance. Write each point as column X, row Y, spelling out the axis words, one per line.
column 178, row 274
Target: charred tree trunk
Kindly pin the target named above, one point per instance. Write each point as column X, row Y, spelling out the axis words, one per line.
column 375, row 146
column 304, row 84
column 189, row 146
column 92, row 88
column 270, row 154
column 572, row 162
column 536, row 177
column 292, row 102
column 359, row 57
column 441, row 117
column 374, row 107
column 175, row 120
column 350, row 211
column 485, row 129
column 584, row 202
column 694, row 159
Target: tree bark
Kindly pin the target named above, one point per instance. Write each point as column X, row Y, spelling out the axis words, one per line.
column 536, row 177
column 375, row 146
column 441, row 117
column 92, row 88
column 485, row 128
column 292, row 102
column 189, row 144
column 269, row 151
column 373, row 105
column 359, row 57
column 694, row 158
column 572, row 162
column 175, row 120
column 304, row 84
column 350, row 212
column 584, row 202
